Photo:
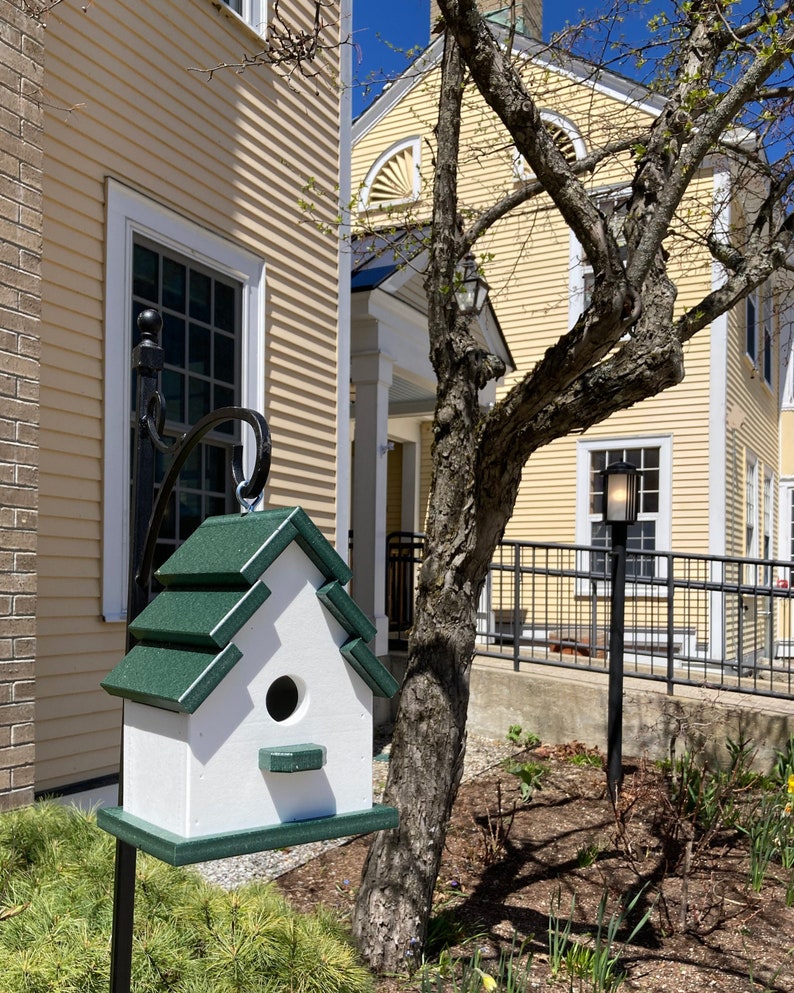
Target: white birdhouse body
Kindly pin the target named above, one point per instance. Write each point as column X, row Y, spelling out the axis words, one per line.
column 270, row 726
column 206, row 782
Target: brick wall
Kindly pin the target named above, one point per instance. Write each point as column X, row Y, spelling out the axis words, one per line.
column 21, row 54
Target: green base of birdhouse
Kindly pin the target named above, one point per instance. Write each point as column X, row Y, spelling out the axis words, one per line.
column 178, row 850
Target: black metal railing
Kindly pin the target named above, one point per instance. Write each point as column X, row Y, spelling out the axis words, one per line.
column 710, row 621
column 404, row 553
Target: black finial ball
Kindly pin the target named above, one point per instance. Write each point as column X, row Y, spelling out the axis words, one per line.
column 150, row 323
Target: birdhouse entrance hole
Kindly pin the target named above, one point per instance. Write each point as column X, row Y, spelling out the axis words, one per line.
column 282, row 698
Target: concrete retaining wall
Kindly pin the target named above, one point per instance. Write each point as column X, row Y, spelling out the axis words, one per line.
column 560, row 705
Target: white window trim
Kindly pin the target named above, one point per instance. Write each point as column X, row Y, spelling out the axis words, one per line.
column 664, row 520
column 577, row 260
column 128, row 214
column 755, row 299
column 415, row 145
column 254, row 14
column 751, row 490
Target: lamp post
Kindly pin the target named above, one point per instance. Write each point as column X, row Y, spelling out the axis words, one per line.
column 621, row 491
column 471, row 289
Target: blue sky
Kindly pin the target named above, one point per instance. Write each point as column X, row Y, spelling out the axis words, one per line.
column 385, row 29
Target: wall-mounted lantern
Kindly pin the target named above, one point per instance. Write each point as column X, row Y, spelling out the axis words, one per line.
column 471, row 289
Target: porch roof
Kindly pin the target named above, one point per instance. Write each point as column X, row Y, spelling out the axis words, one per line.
column 394, row 262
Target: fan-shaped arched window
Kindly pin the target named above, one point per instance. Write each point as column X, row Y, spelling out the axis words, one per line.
column 394, row 178
column 566, row 137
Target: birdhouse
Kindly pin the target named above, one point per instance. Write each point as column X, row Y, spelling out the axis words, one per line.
column 248, row 698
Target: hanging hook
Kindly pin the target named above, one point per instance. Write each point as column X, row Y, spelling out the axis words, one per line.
column 246, row 506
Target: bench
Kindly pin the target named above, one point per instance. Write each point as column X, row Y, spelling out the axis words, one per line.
column 572, row 641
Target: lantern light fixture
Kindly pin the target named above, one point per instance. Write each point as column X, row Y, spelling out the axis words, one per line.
column 471, row 289
column 621, row 493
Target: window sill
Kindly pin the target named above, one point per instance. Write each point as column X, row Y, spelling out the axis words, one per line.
column 645, row 589
column 754, row 370
column 231, row 15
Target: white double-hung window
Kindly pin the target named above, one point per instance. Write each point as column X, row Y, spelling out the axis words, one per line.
column 612, row 204
column 652, row 458
column 752, row 310
column 751, row 507
column 210, row 294
column 758, row 333
column 253, row 12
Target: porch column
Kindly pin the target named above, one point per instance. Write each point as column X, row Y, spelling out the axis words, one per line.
column 371, row 373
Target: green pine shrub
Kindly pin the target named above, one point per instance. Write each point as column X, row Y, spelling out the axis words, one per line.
column 56, row 883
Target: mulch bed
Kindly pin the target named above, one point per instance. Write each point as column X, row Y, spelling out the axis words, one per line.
column 508, row 863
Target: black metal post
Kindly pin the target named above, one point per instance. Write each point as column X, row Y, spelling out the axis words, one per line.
column 147, row 361
column 146, row 516
column 616, row 636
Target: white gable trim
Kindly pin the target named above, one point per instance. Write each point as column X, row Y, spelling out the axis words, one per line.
column 393, row 93
column 619, row 88
column 718, row 381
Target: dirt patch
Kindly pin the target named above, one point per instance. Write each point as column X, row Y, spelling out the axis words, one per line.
column 508, row 863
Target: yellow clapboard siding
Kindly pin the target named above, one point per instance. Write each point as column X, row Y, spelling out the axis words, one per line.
column 528, row 261
column 80, row 447
column 394, row 480
column 103, row 712
column 231, row 155
column 73, row 362
column 66, row 759
column 93, row 640
column 80, row 529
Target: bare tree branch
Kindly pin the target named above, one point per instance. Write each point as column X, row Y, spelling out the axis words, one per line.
column 776, row 93
column 503, row 90
column 285, row 47
column 676, row 127
column 533, row 188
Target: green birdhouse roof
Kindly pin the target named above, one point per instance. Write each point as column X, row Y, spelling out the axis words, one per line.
column 213, row 587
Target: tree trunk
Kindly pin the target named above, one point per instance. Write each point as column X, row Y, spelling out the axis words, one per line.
column 395, row 897
column 626, row 346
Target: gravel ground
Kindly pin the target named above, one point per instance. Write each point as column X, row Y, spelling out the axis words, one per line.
column 481, row 754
